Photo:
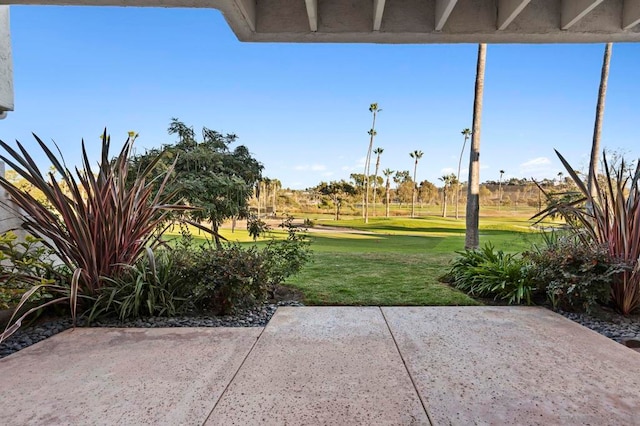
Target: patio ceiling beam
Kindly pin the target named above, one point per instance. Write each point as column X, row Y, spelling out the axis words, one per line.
column 574, row 10
column 378, row 11
column 248, row 10
column 630, row 14
column 508, row 10
column 443, row 11
column 312, row 13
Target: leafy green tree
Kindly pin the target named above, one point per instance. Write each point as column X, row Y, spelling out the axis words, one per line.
column 427, row 192
column 404, row 186
column 359, row 183
column 338, row 191
column 208, row 174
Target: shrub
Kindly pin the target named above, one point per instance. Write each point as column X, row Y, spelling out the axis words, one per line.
column 24, row 263
column 227, row 278
column 96, row 224
column 154, row 286
column 575, row 276
column 284, row 258
column 232, row 277
column 490, row 273
column 609, row 218
column 256, row 227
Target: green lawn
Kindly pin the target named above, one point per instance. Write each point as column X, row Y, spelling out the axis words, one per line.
column 399, row 263
column 394, row 261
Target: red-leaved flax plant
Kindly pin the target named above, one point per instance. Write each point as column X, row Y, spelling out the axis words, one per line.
column 610, row 218
column 93, row 220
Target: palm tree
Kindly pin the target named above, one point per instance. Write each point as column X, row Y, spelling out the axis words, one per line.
column 449, row 181
column 373, row 108
column 466, row 133
column 266, row 185
column 597, row 128
column 472, row 237
column 388, row 173
column 415, row 155
column 275, row 186
column 500, row 189
column 378, row 152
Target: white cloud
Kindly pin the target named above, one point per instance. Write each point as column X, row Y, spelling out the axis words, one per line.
column 536, row 168
column 313, row 167
column 327, row 174
column 535, row 163
column 447, row 170
column 357, row 167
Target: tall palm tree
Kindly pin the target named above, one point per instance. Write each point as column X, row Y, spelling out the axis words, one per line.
column 472, row 237
column 417, row 155
column 266, row 186
column 373, row 108
column 275, row 186
column 388, row 173
column 466, row 133
column 378, row 152
column 597, row 128
column 500, row 189
column 449, row 181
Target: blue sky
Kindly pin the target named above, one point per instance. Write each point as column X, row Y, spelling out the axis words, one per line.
column 302, row 109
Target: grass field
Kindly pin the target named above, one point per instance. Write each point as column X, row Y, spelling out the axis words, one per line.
column 395, row 261
column 398, row 261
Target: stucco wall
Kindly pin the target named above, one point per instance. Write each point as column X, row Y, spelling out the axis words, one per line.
column 6, row 62
column 9, row 217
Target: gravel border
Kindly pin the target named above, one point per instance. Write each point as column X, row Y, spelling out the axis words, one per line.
column 617, row 328
column 255, row 317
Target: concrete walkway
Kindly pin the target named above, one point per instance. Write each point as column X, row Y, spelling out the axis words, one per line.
column 333, row 366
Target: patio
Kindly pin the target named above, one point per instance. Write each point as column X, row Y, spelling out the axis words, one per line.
column 331, row 365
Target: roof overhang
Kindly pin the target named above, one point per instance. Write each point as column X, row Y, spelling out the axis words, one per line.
column 413, row 21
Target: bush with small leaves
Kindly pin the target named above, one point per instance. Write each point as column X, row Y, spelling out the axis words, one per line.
column 575, row 276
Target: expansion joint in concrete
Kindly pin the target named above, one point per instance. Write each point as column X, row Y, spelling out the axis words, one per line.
column 415, row 387
column 234, row 376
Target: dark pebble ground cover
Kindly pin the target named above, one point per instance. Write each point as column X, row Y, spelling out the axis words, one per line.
column 613, row 326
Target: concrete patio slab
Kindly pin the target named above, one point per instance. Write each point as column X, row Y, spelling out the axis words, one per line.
column 515, row 365
column 122, row 376
column 322, row 366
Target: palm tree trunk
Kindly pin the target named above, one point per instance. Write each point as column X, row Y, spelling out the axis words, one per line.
column 413, row 193
column 274, row 190
column 444, row 201
column 597, row 128
column 472, row 237
column 367, row 168
column 464, row 144
column 375, row 185
column 387, row 196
